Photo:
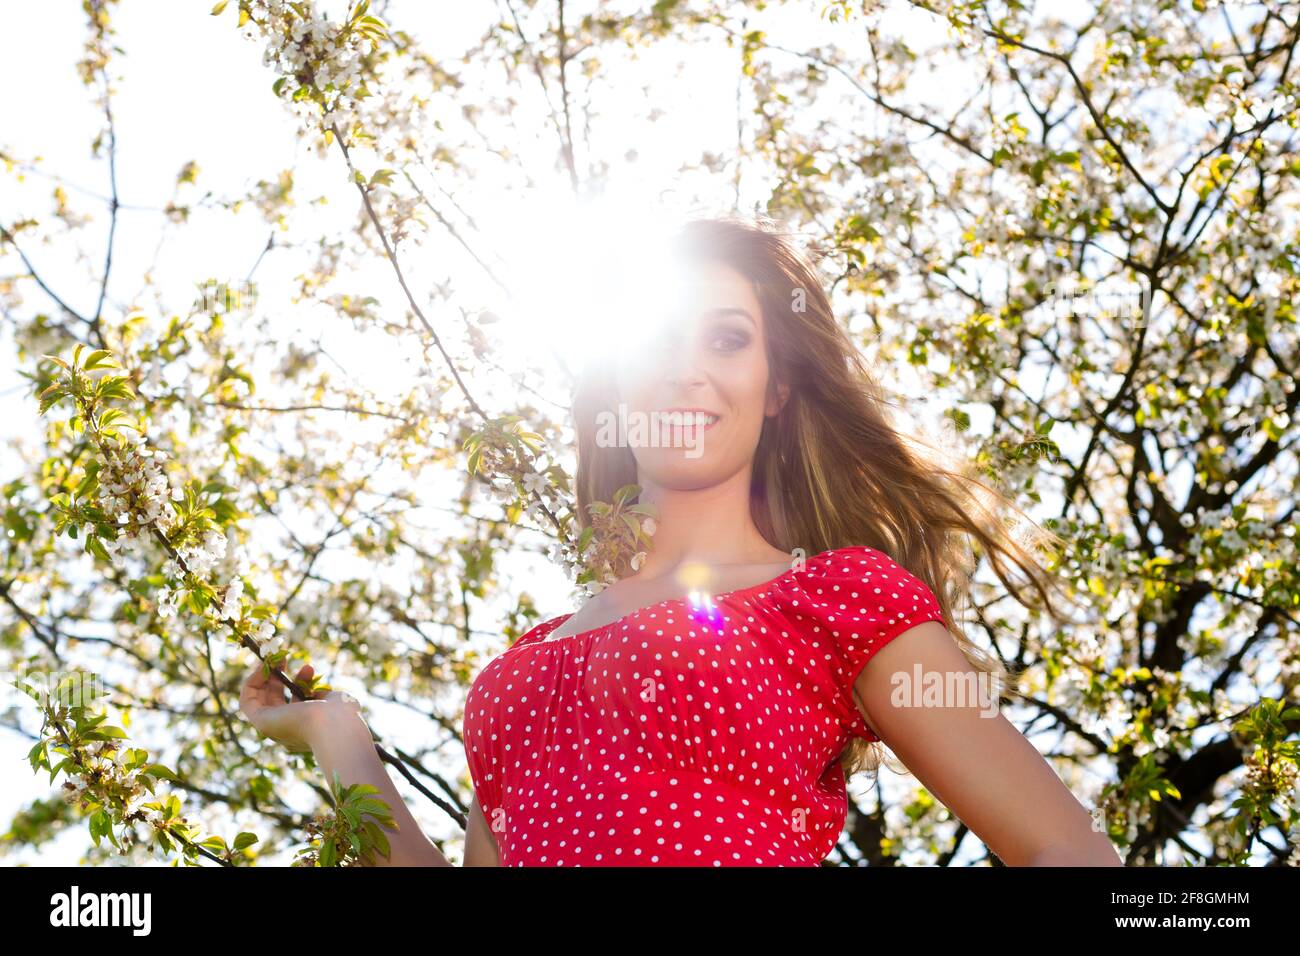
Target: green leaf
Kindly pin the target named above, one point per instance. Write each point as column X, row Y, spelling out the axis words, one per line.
column 100, row 358
column 96, row 547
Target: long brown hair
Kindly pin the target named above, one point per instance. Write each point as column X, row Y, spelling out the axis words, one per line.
column 832, row 469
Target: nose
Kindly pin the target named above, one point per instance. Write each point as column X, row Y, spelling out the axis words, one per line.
column 682, row 367
column 685, row 379
column 667, row 354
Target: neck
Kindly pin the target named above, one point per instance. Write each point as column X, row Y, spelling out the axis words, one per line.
column 704, row 526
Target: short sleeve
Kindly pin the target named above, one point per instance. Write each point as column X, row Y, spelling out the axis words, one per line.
column 853, row 601
column 481, row 719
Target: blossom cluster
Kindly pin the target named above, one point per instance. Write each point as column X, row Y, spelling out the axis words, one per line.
column 101, row 774
column 136, row 489
column 135, row 496
column 510, row 489
column 321, row 63
column 601, row 554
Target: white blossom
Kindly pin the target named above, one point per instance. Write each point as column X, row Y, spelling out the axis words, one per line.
column 230, row 600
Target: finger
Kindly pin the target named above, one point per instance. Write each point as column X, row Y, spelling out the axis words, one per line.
column 272, row 691
column 302, row 681
column 256, row 678
column 308, row 677
column 254, row 684
column 305, row 677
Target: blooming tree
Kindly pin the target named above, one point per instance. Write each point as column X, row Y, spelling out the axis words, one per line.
column 1078, row 234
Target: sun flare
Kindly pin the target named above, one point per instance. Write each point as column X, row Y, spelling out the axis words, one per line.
column 587, row 278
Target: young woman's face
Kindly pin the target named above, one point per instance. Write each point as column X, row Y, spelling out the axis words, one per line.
column 703, row 354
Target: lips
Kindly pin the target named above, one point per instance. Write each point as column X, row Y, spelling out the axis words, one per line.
column 697, row 426
column 680, row 419
column 681, row 429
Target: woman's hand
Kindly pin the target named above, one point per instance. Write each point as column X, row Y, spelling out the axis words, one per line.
column 290, row 722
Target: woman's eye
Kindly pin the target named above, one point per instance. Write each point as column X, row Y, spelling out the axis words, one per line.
column 729, row 341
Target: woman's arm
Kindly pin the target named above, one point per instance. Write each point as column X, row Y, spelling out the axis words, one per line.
column 480, row 844
column 973, row 759
column 342, row 742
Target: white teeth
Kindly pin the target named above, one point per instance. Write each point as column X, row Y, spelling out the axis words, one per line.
column 689, row 419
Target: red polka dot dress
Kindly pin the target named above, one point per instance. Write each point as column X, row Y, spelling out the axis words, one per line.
column 688, row 734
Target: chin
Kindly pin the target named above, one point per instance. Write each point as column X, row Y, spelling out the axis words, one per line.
column 681, row 474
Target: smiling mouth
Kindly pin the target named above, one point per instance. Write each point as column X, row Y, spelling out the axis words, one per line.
column 687, row 421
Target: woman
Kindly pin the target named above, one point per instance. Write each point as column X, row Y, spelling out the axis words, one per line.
column 705, row 708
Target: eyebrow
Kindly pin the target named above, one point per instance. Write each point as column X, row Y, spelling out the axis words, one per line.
column 730, row 310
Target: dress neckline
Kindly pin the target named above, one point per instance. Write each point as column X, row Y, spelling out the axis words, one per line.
column 773, row 582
